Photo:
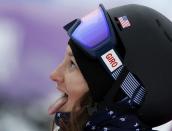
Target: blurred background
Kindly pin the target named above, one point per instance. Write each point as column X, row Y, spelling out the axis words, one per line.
column 32, row 43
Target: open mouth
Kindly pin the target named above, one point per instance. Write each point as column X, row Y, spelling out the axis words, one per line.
column 59, row 103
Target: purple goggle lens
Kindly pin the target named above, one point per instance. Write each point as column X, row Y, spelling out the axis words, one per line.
column 92, row 30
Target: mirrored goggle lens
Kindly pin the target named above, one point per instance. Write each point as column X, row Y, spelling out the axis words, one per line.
column 92, row 30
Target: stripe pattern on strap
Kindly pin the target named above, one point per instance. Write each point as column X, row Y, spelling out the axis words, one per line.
column 131, row 86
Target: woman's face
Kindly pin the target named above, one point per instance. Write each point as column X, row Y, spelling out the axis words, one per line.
column 69, row 81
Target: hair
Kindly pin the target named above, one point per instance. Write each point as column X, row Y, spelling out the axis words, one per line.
column 77, row 119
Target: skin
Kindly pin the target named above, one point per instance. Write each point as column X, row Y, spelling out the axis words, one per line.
column 70, row 81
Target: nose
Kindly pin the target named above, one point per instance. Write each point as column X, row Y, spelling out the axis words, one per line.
column 57, row 75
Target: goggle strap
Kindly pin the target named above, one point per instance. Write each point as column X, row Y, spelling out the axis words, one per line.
column 129, row 84
column 132, row 87
column 109, row 97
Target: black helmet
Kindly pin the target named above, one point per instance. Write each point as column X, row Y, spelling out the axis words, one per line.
column 145, row 46
column 148, row 53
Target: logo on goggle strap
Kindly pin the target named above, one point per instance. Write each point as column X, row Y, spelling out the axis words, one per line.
column 111, row 60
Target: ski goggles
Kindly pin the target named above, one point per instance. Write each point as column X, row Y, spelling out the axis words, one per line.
column 94, row 34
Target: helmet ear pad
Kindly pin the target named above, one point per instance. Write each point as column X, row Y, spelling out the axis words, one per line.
column 98, row 80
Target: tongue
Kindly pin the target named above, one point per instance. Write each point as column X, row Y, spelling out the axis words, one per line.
column 57, row 105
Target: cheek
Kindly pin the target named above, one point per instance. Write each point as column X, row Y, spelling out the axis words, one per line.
column 76, row 85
